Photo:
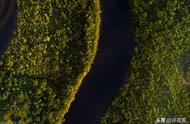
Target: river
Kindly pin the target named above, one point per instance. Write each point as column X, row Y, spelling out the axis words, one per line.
column 7, row 22
column 110, row 66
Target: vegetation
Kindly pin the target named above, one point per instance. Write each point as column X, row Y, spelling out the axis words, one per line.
column 154, row 87
column 185, row 66
column 53, row 47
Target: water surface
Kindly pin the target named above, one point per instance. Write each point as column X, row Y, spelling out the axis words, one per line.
column 7, row 22
column 110, row 66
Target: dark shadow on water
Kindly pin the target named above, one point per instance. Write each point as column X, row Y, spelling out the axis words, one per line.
column 6, row 31
column 110, row 67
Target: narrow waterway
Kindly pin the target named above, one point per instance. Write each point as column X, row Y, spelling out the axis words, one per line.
column 7, row 22
column 110, row 67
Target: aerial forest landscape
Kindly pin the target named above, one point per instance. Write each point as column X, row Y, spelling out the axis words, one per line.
column 94, row 62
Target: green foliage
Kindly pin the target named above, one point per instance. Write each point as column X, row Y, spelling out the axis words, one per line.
column 51, row 52
column 154, row 87
column 185, row 66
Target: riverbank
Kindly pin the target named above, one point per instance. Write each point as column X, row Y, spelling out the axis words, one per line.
column 110, row 66
column 53, row 47
column 154, row 91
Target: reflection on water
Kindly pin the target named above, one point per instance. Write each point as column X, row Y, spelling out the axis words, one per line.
column 7, row 21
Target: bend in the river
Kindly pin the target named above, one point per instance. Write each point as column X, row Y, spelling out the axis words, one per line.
column 110, row 67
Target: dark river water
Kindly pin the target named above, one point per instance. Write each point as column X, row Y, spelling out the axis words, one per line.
column 110, row 67
column 111, row 63
column 7, row 22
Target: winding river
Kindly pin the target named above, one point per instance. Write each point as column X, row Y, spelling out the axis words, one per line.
column 110, row 66
column 7, row 22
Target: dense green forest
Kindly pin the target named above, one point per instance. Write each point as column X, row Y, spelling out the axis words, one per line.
column 157, row 85
column 53, row 46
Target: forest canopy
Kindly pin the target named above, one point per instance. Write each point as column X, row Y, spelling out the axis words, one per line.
column 51, row 51
column 156, row 86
